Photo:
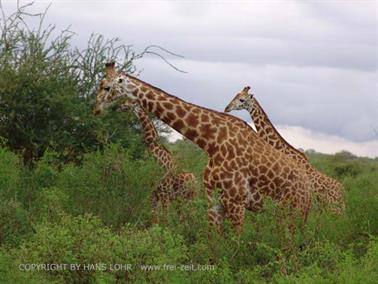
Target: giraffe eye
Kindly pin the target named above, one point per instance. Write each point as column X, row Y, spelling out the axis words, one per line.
column 120, row 80
column 107, row 89
column 242, row 100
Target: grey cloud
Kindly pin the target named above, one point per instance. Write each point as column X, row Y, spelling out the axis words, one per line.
column 311, row 64
column 357, row 14
column 333, row 101
column 256, row 34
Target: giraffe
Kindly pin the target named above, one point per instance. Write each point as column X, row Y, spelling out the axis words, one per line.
column 173, row 185
column 327, row 190
column 241, row 167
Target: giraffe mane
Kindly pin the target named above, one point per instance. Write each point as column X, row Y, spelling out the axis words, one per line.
column 165, row 148
column 283, row 140
column 194, row 105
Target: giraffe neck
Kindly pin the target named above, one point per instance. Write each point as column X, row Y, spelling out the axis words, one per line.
column 160, row 153
column 202, row 126
column 162, row 156
column 149, row 130
column 269, row 133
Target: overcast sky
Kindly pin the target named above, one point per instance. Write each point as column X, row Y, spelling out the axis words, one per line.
column 311, row 64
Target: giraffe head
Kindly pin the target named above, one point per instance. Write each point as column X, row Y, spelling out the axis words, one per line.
column 112, row 88
column 242, row 100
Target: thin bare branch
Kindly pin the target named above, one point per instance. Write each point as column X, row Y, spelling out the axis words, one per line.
column 165, row 60
column 163, row 49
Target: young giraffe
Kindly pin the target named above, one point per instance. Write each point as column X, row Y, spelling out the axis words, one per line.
column 173, row 185
column 241, row 165
column 327, row 190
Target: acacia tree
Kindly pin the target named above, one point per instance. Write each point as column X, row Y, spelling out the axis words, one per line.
column 47, row 89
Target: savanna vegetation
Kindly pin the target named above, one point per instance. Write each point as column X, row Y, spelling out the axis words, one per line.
column 98, row 212
column 75, row 189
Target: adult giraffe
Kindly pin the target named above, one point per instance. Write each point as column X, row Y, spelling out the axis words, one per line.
column 328, row 191
column 241, row 165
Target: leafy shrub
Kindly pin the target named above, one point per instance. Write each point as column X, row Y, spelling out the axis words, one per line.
column 110, row 185
column 86, row 241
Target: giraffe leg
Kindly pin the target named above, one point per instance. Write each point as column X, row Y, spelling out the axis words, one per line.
column 154, row 206
column 181, row 194
column 234, row 200
column 180, row 211
column 186, row 192
column 159, row 198
column 216, row 216
column 165, row 206
column 215, row 211
column 235, row 212
column 298, row 206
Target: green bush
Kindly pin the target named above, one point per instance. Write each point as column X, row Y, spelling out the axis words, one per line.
column 99, row 212
column 86, row 241
column 110, row 185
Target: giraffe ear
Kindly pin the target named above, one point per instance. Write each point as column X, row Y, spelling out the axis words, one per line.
column 110, row 70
